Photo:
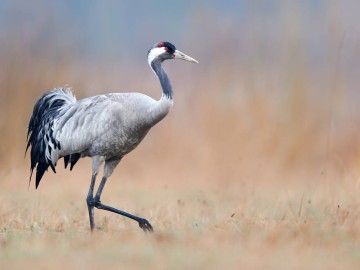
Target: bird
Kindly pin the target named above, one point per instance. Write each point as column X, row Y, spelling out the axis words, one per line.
column 104, row 127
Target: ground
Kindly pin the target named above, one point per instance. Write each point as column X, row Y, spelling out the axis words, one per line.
column 197, row 225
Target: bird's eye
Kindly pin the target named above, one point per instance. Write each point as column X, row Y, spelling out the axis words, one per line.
column 166, row 48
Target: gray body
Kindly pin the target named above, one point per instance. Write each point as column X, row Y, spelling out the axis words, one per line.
column 110, row 125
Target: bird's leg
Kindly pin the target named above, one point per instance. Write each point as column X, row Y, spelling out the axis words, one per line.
column 96, row 163
column 90, row 201
column 109, row 167
column 143, row 223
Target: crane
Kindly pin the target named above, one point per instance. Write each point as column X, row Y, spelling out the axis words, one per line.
column 103, row 127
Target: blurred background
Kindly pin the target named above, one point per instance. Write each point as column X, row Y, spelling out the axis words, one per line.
column 275, row 97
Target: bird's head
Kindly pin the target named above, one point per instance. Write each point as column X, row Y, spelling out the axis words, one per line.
column 164, row 51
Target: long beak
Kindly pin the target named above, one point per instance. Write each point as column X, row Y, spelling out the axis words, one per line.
column 183, row 56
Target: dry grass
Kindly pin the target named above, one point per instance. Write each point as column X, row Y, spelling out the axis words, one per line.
column 197, row 225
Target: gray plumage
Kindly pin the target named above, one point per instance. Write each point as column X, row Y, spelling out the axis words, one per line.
column 104, row 127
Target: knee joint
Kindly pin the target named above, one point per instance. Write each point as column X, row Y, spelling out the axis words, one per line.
column 97, row 199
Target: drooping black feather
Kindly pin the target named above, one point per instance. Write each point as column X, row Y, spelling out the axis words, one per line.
column 66, row 160
column 40, row 134
column 73, row 159
column 40, row 170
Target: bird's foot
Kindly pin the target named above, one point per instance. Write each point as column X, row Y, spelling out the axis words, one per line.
column 145, row 225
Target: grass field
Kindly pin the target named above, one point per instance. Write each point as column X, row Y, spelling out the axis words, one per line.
column 197, row 225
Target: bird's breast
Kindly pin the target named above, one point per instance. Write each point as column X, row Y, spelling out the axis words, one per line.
column 117, row 143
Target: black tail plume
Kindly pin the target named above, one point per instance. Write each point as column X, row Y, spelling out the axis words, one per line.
column 40, row 131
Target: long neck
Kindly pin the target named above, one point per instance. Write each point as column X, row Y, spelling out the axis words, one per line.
column 163, row 78
column 163, row 106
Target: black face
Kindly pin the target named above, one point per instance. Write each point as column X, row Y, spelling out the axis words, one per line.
column 169, row 50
